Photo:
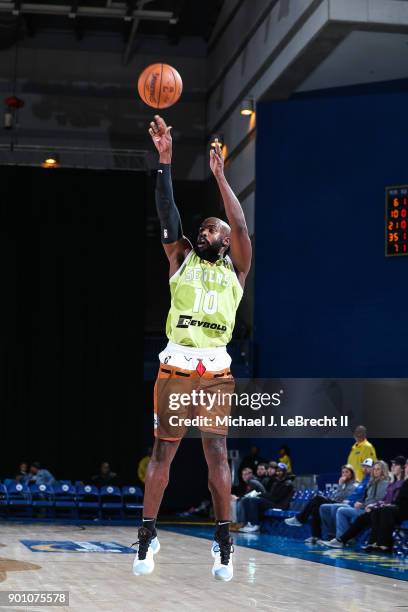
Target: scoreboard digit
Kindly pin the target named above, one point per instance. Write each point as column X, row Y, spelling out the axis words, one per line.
column 396, row 220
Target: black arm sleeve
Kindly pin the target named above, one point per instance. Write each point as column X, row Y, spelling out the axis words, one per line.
column 169, row 216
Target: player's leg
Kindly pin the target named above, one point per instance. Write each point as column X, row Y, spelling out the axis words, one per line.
column 219, row 484
column 157, row 475
column 157, row 478
column 219, row 474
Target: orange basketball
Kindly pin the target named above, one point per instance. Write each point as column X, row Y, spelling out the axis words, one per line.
column 160, row 85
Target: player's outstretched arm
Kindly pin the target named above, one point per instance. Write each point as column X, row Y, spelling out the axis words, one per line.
column 240, row 248
column 176, row 245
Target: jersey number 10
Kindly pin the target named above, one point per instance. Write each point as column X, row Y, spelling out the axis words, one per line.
column 209, row 303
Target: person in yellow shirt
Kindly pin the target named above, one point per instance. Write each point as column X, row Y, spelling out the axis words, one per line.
column 362, row 449
column 142, row 466
column 284, row 457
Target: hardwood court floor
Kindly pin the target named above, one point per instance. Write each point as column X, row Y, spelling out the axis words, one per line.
column 182, row 579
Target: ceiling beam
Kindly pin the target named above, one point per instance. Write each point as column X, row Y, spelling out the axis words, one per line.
column 16, row 7
column 132, row 35
column 116, row 11
column 130, row 41
column 74, row 9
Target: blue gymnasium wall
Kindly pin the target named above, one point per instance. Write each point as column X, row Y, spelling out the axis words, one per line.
column 328, row 303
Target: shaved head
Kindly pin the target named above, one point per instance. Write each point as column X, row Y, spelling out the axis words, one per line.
column 224, row 228
column 213, row 239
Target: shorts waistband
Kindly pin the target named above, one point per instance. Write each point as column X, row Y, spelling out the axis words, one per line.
column 165, row 370
column 193, row 351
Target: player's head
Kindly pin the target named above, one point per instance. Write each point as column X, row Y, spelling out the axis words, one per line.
column 213, row 239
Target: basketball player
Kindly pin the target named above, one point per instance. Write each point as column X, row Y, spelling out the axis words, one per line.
column 206, row 286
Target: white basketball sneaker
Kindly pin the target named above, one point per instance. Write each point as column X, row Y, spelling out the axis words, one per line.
column 222, row 553
column 147, row 547
column 155, row 545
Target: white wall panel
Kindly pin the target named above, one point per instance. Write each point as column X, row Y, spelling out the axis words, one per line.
column 246, row 17
column 241, row 171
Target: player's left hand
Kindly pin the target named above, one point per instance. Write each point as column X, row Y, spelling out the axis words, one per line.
column 161, row 136
column 217, row 160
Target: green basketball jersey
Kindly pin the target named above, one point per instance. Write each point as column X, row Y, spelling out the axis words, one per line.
column 204, row 301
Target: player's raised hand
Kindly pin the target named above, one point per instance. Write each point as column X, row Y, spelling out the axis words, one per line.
column 217, row 160
column 161, row 136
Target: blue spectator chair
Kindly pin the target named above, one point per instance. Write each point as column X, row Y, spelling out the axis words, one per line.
column 298, row 502
column 88, row 501
column 295, row 504
column 65, row 500
column 19, row 499
column 62, row 482
column 42, row 497
column 111, row 501
column 3, row 499
column 277, row 526
column 132, row 500
column 328, row 478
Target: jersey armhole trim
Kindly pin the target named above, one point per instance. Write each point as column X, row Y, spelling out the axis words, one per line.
column 228, row 258
column 183, row 265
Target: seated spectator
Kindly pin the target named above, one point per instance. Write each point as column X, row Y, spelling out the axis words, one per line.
column 261, row 473
column 365, row 519
column 270, row 475
column 278, row 496
column 39, row 475
column 248, row 483
column 375, row 492
column 385, row 519
column 347, row 484
column 23, row 475
column 105, row 477
column 284, row 457
column 328, row 511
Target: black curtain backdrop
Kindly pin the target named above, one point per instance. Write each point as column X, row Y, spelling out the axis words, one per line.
column 72, row 310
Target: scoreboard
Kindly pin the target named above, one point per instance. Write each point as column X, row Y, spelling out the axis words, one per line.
column 396, row 220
